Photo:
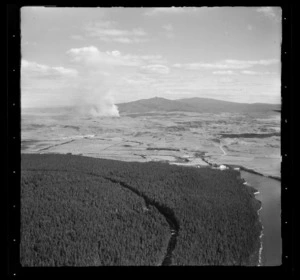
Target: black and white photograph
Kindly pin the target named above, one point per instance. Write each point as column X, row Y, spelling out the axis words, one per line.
column 150, row 136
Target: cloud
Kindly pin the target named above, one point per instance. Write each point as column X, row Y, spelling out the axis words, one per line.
column 138, row 79
column 249, row 63
column 77, row 37
column 249, row 27
column 170, row 10
column 114, row 53
column 168, row 27
column 109, row 32
column 44, row 71
column 117, row 32
column 26, row 43
column 248, row 72
column 223, row 72
column 91, row 56
column 146, row 59
column 169, row 30
column 170, row 35
column 226, row 64
column 43, row 85
column 226, row 80
column 160, row 69
column 150, row 80
column 269, row 12
column 126, row 40
column 101, row 24
column 123, row 40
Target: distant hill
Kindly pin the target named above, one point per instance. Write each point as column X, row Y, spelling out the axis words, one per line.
column 158, row 104
column 200, row 105
column 153, row 104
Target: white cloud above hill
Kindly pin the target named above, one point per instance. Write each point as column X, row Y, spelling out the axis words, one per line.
column 132, row 53
column 109, row 31
column 44, row 71
column 170, row 10
column 226, row 64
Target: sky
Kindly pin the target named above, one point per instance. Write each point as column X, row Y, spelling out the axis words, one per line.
column 74, row 56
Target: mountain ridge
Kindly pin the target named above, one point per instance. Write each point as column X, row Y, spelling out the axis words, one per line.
column 194, row 104
column 160, row 104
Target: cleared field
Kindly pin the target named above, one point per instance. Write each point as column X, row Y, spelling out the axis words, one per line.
column 162, row 136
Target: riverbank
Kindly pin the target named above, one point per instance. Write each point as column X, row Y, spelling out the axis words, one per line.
column 269, row 193
column 256, row 258
column 233, row 166
column 261, row 241
column 262, row 261
column 254, row 172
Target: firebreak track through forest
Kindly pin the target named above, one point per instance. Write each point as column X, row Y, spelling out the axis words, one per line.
column 163, row 210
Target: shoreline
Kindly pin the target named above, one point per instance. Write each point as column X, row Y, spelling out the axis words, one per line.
column 255, row 172
column 261, row 241
column 255, row 192
column 271, row 237
column 242, row 168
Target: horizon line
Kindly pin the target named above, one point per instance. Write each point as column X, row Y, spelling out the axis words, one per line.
column 222, row 100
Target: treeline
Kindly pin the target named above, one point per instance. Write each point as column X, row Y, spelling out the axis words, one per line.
column 162, row 149
column 249, row 135
column 217, row 214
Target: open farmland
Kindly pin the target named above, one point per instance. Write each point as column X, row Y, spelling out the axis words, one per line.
column 186, row 138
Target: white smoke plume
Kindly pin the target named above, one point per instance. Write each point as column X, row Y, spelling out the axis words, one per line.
column 100, row 106
column 98, row 75
column 96, row 103
column 95, row 96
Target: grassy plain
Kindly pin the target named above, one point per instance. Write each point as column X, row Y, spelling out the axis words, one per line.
column 175, row 137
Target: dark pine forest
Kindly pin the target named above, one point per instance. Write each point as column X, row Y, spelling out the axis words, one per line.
column 81, row 211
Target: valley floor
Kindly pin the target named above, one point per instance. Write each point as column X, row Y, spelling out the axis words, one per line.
column 178, row 138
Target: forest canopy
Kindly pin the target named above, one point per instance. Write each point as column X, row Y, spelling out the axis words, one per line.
column 81, row 211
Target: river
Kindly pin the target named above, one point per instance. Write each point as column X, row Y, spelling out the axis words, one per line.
column 270, row 216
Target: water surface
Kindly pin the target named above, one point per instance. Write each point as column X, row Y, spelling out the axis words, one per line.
column 270, row 215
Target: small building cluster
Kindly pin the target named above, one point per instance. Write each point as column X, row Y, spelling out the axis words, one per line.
column 223, row 167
